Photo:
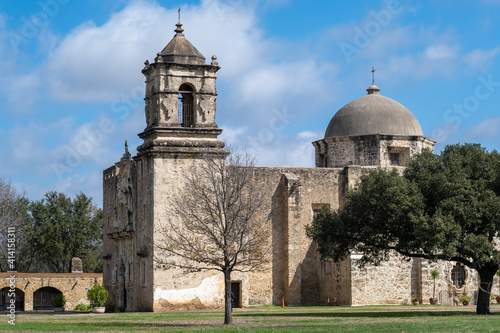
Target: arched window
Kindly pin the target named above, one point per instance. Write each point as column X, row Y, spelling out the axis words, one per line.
column 458, row 275
column 42, row 298
column 186, row 109
column 6, row 297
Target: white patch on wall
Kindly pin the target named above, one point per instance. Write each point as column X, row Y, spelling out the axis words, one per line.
column 209, row 292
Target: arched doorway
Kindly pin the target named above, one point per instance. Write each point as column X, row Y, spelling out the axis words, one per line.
column 6, row 297
column 186, row 109
column 42, row 298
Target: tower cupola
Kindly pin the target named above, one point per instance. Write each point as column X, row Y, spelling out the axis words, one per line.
column 180, row 100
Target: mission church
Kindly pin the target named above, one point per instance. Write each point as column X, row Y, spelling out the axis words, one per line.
column 370, row 132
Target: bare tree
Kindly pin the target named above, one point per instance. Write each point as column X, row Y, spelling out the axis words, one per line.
column 13, row 225
column 220, row 221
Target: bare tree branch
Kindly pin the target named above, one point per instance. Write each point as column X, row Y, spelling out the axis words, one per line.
column 219, row 220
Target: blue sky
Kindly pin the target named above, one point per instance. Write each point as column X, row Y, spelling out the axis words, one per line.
column 72, row 91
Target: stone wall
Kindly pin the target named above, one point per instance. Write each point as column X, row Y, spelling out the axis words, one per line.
column 389, row 283
column 368, row 150
column 73, row 286
column 446, row 291
column 294, row 273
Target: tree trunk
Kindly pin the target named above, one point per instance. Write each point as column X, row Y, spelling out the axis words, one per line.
column 228, row 315
column 486, row 275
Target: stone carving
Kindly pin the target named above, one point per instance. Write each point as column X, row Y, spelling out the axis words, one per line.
column 214, row 61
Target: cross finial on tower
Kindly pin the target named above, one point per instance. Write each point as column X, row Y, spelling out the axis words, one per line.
column 126, row 156
column 373, row 75
column 179, row 29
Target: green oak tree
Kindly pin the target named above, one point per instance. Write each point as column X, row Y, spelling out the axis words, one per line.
column 62, row 228
column 443, row 207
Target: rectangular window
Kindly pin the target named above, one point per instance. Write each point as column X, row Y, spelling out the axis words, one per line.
column 316, row 208
column 458, row 276
column 398, row 156
column 394, row 158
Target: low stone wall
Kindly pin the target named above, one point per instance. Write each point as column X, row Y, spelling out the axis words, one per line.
column 73, row 286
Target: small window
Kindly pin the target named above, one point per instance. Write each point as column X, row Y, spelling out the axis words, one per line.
column 394, row 159
column 398, row 156
column 316, row 208
column 323, row 160
column 458, row 276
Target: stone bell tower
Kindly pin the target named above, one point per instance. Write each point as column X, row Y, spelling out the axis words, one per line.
column 139, row 191
column 180, row 101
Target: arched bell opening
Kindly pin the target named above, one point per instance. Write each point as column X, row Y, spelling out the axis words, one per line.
column 186, row 105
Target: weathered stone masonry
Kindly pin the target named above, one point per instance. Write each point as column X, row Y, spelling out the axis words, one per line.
column 73, row 286
column 370, row 132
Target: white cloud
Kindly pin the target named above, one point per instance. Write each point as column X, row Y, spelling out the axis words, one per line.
column 275, row 148
column 85, row 183
column 29, row 149
column 441, row 52
column 98, row 63
column 488, row 128
column 231, row 136
column 481, row 59
column 273, row 82
column 22, row 91
column 259, row 75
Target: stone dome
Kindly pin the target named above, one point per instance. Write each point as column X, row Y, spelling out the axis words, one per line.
column 373, row 114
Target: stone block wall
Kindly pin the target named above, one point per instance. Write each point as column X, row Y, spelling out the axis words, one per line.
column 73, row 286
column 446, row 291
column 368, row 150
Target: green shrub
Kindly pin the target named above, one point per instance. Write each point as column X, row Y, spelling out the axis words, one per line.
column 97, row 295
column 110, row 308
column 58, row 301
column 121, row 308
column 464, row 298
column 83, row 307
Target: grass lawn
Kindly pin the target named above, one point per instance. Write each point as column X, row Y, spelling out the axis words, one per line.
column 422, row 318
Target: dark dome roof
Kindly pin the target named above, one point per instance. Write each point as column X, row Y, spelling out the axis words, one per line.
column 179, row 50
column 373, row 114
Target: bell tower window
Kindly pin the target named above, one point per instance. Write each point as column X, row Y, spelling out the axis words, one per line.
column 186, row 109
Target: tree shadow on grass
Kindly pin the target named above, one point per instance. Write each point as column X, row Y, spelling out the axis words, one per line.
column 364, row 314
column 100, row 326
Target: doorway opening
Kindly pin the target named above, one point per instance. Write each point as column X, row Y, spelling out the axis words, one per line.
column 236, row 289
column 42, row 298
column 7, row 295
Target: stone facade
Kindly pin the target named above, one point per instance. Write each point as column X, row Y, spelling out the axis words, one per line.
column 180, row 130
column 368, row 150
column 73, row 286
